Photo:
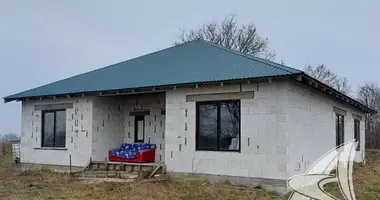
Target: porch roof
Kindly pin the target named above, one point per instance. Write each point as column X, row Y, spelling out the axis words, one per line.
column 198, row 61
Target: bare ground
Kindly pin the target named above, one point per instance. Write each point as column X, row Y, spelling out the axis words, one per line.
column 15, row 184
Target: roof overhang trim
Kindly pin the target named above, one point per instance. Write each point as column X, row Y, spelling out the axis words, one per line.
column 301, row 77
column 306, row 79
column 162, row 88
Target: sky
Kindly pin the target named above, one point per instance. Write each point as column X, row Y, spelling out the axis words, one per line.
column 45, row 41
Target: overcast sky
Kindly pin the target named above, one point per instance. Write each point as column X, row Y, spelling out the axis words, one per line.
column 42, row 41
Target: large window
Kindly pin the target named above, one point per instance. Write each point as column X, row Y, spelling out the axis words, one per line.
column 218, row 126
column 54, row 128
column 357, row 133
column 339, row 126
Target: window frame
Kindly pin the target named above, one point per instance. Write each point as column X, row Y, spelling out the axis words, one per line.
column 357, row 133
column 218, row 103
column 337, row 128
column 54, row 128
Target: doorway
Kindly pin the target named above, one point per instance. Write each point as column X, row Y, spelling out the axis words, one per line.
column 139, row 129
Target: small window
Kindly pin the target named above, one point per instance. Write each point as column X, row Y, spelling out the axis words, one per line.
column 218, row 126
column 339, row 126
column 54, row 128
column 357, row 133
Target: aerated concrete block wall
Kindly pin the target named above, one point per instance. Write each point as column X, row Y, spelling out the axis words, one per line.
column 280, row 131
column 312, row 127
column 78, row 133
column 113, row 124
column 154, row 122
column 263, row 147
column 107, row 126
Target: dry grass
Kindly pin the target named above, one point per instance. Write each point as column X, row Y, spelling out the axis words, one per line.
column 366, row 179
column 47, row 185
column 5, row 148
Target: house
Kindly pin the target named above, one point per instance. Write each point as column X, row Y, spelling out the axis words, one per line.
column 210, row 110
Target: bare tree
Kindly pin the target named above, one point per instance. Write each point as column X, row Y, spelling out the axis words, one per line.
column 369, row 95
column 229, row 33
column 325, row 75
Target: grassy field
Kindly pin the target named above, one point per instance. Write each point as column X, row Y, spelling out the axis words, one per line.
column 366, row 179
column 47, row 185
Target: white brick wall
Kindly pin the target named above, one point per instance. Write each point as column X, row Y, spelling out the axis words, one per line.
column 108, row 126
column 78, row 134
column 258, row 118
column 288, row 126
column 113, row 125
column 93, row 126
column 154, row 123
column 312, row 126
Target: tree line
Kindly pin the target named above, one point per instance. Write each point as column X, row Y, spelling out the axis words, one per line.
column 245, row 38
column 9, row 137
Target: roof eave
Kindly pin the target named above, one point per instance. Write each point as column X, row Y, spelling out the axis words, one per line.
column 301, row 77
column 314, row 83
column 126, row 91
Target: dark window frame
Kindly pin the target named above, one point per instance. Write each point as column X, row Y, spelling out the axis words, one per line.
column 357, row 133
column 139, row 118
column 339, row 130
column 197, row 122
column 54, row 128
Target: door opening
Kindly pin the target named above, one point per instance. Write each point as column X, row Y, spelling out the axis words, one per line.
column 139, row 129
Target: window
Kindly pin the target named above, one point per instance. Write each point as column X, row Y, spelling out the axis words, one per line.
column 339, row 126
column 54, row 128
column 357, row 133
column 218, row 126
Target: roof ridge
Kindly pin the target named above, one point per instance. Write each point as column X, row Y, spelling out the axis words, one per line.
column 268, row 62
column 94, row 70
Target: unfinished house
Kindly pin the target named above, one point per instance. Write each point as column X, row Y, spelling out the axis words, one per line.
column 208, row 110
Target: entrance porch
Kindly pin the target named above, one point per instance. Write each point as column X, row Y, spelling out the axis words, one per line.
column 131, row 119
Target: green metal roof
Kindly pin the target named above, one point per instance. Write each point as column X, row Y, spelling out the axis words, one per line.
column 193, row 62
column 198, row 61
